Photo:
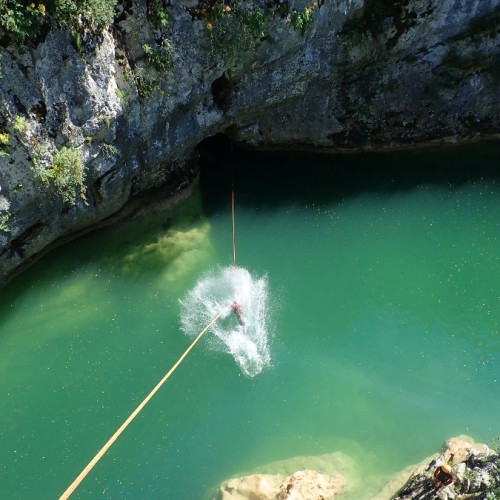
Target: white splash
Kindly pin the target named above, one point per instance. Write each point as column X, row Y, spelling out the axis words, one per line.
column 247, row 342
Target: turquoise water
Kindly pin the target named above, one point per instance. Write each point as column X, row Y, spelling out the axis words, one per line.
column 382, row 321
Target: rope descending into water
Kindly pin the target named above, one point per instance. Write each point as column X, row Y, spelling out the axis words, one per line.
column 234, row 245
column 115, row 436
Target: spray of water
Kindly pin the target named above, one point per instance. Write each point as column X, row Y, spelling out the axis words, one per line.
column 246, row 342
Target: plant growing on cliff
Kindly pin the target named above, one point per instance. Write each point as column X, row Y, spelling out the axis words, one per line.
column 4, row 221
column 20, row 125
column 24, row 19
column 94, row 14
column 4, row 141
column 253, row 20
column 160, row 57
column 66, row 174
column 301, row 21
column 19, row 20
column 122, row 95
column 232, row 30
column 109, row 151
column 158, row 13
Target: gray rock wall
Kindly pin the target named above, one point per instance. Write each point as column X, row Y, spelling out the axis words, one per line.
column 134, row 100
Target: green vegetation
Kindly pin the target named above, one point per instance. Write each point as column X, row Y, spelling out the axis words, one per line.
column 160, row 57
column 20, row 20
column 4, row 142
column 158, row 13
column 145, row 85
column 236, row 27
column 122, row 95
column 23, row 20
column 232, row 30
column 94, row 14
column 301, row 21
column 67, row 173
column 108, row 150
column 20, row 124
column 162, row 18
column 253, row 20
column 4, row 221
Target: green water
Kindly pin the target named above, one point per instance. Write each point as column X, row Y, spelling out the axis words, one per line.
column 383, row 320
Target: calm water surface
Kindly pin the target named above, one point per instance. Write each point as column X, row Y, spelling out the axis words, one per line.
column 383, row 277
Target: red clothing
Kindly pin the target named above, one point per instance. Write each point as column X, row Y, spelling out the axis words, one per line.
column 442, row 478
column 236, row 308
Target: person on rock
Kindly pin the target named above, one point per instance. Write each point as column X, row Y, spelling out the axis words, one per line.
column 236, row 308
column 443, row 476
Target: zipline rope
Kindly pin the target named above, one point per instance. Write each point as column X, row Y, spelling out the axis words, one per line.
column 115, row 436
column 234, row 244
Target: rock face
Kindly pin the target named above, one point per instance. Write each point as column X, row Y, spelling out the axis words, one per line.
column 476, row 469
column 130, row 103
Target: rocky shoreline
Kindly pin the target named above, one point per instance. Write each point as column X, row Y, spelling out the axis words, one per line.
column 476, row 469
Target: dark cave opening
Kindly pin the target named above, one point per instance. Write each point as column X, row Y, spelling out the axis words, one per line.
column 275, row 177
column 221, row 92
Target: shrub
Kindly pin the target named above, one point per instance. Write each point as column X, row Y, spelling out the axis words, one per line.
column 254, row 20
column 20, row 124
column 161, row 57
column 19, row 19
column 96, row 14
column 302, row 20
column 162, row 18
column 4, row 142
column 68, row 174
column 108, row 150
column 4, row 221
column 145, row 85
column 23, row 19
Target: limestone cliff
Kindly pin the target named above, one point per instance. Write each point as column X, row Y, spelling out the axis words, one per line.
column 91, row 118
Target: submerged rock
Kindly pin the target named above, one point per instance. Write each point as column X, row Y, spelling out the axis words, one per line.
column 297, row 478
column 476, row 469
column 304, row 484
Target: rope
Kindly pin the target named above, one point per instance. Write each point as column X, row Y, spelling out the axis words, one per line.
column 234, row 245
column 115, row 436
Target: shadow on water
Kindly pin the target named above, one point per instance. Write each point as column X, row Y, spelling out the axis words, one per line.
column 268, row 179
column 279, row 177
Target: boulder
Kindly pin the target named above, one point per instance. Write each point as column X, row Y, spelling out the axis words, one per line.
column 476, row 470
column 301, row 485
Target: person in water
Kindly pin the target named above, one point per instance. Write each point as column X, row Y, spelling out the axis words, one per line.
column 236, row 308
column 443, row 476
